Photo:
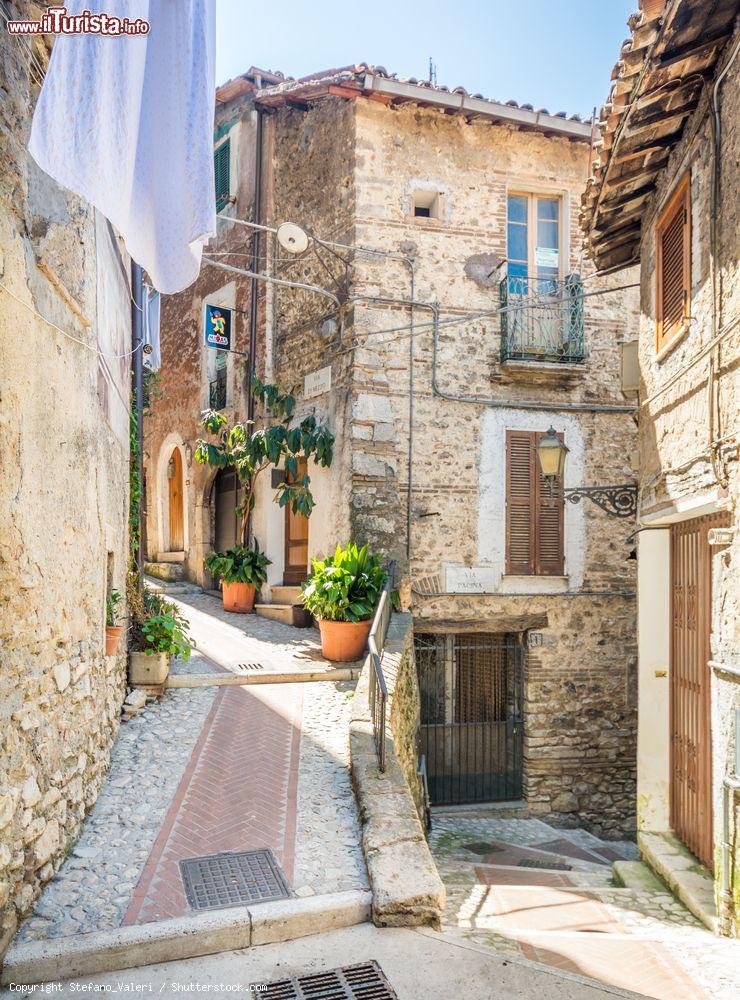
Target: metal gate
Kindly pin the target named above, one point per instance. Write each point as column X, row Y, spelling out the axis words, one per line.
column 691, row 747
column 471, row 715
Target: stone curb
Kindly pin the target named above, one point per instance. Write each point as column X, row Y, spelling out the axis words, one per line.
column 406, row 886
column 276, row 677
column 184, row 937
column 682, row 873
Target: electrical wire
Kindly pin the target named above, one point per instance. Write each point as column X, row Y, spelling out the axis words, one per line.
column 64, row 333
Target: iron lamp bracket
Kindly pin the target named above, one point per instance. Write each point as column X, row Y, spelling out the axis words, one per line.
column 619, row 500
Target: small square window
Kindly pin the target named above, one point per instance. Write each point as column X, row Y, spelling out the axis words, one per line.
column 427, row 204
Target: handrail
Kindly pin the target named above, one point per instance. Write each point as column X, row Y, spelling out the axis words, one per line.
column 378, row 693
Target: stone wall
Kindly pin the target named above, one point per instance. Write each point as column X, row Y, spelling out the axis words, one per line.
column 679, row 476
column 399, row 668
column 63, row 503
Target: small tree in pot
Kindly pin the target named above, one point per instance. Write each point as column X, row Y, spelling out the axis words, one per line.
column 242, row 572
column 342, row 593
column 280, row 443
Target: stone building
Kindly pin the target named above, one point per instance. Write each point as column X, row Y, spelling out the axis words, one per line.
column 65, row 314
column 664, row 194
column 438, row 366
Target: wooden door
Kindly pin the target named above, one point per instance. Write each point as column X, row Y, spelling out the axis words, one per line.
column 296, row 540
column 226, row 496
column 691, row 745
column 174, row 480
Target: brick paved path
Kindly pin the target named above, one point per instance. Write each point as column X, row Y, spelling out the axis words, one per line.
column 238, row 793
column 211, row 769
column 572, row 916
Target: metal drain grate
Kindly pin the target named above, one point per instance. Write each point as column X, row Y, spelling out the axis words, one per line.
column 352, row 982
column 480, row 847
column 233, row 878
column 244, row 668
column 535, row 863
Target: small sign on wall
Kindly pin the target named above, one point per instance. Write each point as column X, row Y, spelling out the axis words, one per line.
column 470, row 580
column 217, row 329
column 317, row 382
column 546, row 257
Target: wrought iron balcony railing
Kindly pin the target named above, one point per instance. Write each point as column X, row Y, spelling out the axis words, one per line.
column 217, row 392
column 542, row 319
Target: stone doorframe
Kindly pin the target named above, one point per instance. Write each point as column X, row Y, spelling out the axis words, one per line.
column 171, row 442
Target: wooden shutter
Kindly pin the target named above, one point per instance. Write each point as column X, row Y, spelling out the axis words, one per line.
column 549, row 526
column 534, row 525
column 520, row 479
column 673, row 265
column 221, row 169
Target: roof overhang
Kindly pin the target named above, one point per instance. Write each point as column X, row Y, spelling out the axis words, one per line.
column 355, row 82
column 658, row 84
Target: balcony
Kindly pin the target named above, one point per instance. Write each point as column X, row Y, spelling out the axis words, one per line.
column 542, row 320
column 217, row 391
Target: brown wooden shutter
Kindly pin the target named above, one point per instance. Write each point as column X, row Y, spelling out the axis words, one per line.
column 520, row 477
column 673, row 265
column 549, row 559
column 534, row 527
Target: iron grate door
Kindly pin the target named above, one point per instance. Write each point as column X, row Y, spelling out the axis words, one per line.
column 471, row 728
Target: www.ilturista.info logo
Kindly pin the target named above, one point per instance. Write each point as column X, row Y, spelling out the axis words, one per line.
column 56, row 21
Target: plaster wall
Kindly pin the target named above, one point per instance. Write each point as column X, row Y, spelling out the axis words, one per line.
column 64, row 438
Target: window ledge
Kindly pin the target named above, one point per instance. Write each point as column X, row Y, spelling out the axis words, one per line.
column 534, row 584
column 672, row 344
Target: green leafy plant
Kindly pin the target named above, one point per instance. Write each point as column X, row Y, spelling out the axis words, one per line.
column 280, row 443
column 113, row 616
column 157, row 626
column 239, row 565
column 346, row 586
column 165, row 633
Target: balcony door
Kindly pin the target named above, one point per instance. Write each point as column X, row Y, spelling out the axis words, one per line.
column 533, row 242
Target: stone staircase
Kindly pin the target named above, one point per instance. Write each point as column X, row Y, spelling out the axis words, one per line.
column 170, row 572
column 280, row 607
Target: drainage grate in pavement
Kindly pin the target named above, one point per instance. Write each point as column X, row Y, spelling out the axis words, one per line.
column 233, row 878
column 534, row 863
column 352, row 982
column 244, row 668
column 480, row 847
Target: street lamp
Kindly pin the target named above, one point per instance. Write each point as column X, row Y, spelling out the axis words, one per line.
column 618, row 500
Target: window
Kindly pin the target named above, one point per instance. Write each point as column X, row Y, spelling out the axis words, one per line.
column 222, row 172
column 534, row 522
column 533, row 238
column 673, row 265
column 427, row 204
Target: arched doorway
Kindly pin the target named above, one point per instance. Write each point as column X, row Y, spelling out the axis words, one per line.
column 175, row 491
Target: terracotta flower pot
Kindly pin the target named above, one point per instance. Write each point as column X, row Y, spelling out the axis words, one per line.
column 148, row 668
column 112, row 638
column 238, row 596
column 344, row 641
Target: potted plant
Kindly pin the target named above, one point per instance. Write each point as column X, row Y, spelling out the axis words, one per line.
column 241, row 571
column 342, row 594
column 159, row 634
column 113, row 618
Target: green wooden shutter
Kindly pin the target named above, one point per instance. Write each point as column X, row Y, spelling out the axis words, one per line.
column 221, row 169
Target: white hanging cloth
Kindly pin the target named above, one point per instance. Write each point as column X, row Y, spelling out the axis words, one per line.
column 126, row 122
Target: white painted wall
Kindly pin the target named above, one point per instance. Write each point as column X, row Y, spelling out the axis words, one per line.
column 492, row 502
column 653, row 639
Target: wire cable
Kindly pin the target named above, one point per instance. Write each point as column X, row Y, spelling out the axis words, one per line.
column 69, row 336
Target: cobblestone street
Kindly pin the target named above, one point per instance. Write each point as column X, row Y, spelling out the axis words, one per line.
column 548, row 895
column 210, row 769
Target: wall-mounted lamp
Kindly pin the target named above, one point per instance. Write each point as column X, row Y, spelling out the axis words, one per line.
column 618, row 500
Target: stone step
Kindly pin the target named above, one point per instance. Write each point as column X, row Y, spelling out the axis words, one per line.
column 276, row 612
column 636, row 875
column 165, row 570
column 285, row 595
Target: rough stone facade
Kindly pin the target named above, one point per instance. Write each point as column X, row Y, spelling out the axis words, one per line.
column 689, row 468
column 64, row 437
column 346, row 171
